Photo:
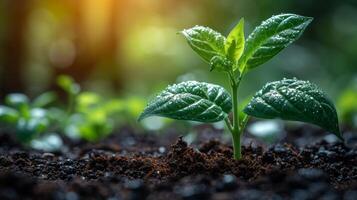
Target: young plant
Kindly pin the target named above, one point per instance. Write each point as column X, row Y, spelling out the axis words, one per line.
column 288, row 99
column 88, row 116
column 347, row 106
column 27, row 119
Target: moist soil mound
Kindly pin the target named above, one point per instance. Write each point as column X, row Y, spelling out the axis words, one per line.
column 133, row 166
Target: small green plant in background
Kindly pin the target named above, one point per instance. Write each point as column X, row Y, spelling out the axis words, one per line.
column 288, row 99
column 27, row 119
column 71, row 88
column 347, row 104
column 91, row 117
column 87, row 116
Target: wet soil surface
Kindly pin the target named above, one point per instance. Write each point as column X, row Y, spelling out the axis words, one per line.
column 136, row 166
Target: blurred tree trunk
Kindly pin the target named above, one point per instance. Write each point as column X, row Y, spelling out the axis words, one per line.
column 113, row 52
column 90, row 56
column 14, row 46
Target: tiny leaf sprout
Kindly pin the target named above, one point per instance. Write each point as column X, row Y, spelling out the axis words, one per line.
column 288, row 99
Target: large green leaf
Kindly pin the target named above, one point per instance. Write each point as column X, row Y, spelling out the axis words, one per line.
column 273, row 35
column 297, row 100
column 205, row 41
column 191, row 100
column 234, row 45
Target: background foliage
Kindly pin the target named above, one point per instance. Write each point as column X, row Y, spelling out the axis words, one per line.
column 122, row 48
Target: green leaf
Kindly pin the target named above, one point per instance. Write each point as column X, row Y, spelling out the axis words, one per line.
column 272, row 36
column 20, row 102
column 89, row 126
column 347, row 105
column 191, row 100
column 234, row 45
column 44, row 99
column 87, row 101
column 39, row 113
column 68, row 84
column 205, row 41
column 16, row 100
column 116, row 106
column 48, row 143
column 27, row 130
column 292, row 99
column 134, row 106
column 8, row 115
column 220, row 63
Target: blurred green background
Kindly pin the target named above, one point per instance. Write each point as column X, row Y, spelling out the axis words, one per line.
column 123, row 48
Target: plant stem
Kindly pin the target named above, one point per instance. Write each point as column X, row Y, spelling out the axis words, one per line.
column 237, row 152
column 236, row 129
column 70, row 108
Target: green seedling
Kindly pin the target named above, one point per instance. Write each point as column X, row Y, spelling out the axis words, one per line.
column 71, row 88
column 92, row 118
column 347, row 105
column 288, row 99
column 27, row 119
column 88, row 116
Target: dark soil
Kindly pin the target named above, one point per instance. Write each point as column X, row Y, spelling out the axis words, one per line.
column 137, row 166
